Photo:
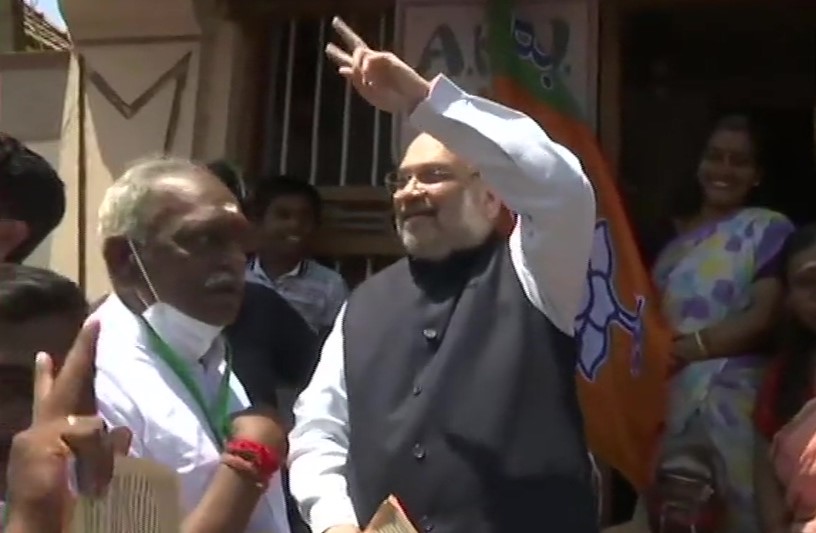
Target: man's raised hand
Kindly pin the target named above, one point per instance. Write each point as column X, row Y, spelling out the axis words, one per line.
column 383, row 79
column 64, row 425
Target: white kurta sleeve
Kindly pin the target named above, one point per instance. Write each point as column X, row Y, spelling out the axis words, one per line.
column 319, row 442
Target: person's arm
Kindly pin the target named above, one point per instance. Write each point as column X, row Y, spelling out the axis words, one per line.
column 232, row 496
column 226, row 506
column 230, row 499
column 318, row 445
column 536, row 178
column 746, row 330
column 770, row 500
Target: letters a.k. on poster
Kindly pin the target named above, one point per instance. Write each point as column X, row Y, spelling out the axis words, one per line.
column 450, row 37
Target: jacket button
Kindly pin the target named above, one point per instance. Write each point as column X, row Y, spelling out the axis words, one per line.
column 418, row 452
column 429, row 333
column 417, row 390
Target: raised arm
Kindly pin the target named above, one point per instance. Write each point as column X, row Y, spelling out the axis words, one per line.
column 318, row 445
column 230, row 498
column 537, row 178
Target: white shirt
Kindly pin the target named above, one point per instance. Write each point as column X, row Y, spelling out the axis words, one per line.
column 135, row 388
column 550, row 247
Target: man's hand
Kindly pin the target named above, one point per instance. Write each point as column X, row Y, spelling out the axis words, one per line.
column 262, row 425
column 37, row 470
column 64, row 425
column 383, row 79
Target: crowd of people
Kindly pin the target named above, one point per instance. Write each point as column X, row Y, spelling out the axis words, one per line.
column 285, row 403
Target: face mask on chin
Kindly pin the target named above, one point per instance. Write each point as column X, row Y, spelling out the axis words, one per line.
column 189, row 336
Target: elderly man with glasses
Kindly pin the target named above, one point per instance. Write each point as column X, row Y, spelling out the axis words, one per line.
column 448, row 380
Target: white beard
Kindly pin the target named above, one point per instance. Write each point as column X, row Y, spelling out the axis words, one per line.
column 456, row 227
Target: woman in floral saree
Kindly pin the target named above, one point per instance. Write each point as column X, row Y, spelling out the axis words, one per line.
column 721, row 293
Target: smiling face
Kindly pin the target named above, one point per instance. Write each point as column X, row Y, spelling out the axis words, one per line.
column 440, row 203
column 728, row 170
column 288, row 226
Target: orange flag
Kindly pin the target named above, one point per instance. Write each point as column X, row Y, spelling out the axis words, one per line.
column 624, row 362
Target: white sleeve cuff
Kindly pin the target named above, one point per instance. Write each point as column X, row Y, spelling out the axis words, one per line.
column 329, row 513
column 443, row 94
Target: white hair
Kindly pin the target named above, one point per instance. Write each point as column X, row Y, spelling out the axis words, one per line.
column 123, row 209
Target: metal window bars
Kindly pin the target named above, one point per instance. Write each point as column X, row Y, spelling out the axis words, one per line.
column 318, row 129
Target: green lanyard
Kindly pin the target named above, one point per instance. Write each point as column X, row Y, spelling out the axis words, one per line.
column 218, row 413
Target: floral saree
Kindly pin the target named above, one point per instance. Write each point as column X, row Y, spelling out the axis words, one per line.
column 705, row 276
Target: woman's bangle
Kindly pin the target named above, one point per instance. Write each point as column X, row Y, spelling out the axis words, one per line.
column 698, row 338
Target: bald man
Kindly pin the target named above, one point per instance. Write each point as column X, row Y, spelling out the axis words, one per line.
column 448, row 379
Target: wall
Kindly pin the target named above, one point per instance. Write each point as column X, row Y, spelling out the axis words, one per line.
column 148, row 77
column 145, row 78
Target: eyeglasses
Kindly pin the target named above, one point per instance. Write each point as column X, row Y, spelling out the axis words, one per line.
column 398, row 179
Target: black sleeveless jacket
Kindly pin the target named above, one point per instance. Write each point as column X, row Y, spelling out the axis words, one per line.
column 462, row 401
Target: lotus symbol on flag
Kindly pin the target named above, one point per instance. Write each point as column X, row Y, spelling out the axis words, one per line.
column 602, row 308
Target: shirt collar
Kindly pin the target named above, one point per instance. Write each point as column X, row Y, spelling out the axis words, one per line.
column 129, row 328
column 257, row 272
column 299, row 270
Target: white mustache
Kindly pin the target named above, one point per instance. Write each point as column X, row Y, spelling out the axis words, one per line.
column 417, row 208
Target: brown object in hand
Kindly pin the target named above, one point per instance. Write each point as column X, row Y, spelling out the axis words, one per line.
column 143, row 497
column 390, row 518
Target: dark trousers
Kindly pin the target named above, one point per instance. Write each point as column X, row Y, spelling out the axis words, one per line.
column 624, row 499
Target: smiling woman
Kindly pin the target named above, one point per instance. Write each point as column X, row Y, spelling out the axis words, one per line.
column 720, row 292
column 730, row 170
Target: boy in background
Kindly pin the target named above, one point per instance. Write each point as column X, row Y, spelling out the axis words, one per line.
column 287, row 213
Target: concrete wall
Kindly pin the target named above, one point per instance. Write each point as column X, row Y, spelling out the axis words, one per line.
column 147, row 77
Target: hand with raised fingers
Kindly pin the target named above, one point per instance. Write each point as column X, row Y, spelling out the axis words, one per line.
column 64, row 425
column 382, row 78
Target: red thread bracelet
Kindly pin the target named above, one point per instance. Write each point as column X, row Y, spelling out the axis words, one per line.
column 245, row 468
column 264, row 459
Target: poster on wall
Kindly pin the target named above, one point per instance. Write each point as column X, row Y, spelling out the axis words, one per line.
column 450, row 37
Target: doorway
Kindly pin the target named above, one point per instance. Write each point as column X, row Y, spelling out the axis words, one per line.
column 683, row 65
column 687, row 64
